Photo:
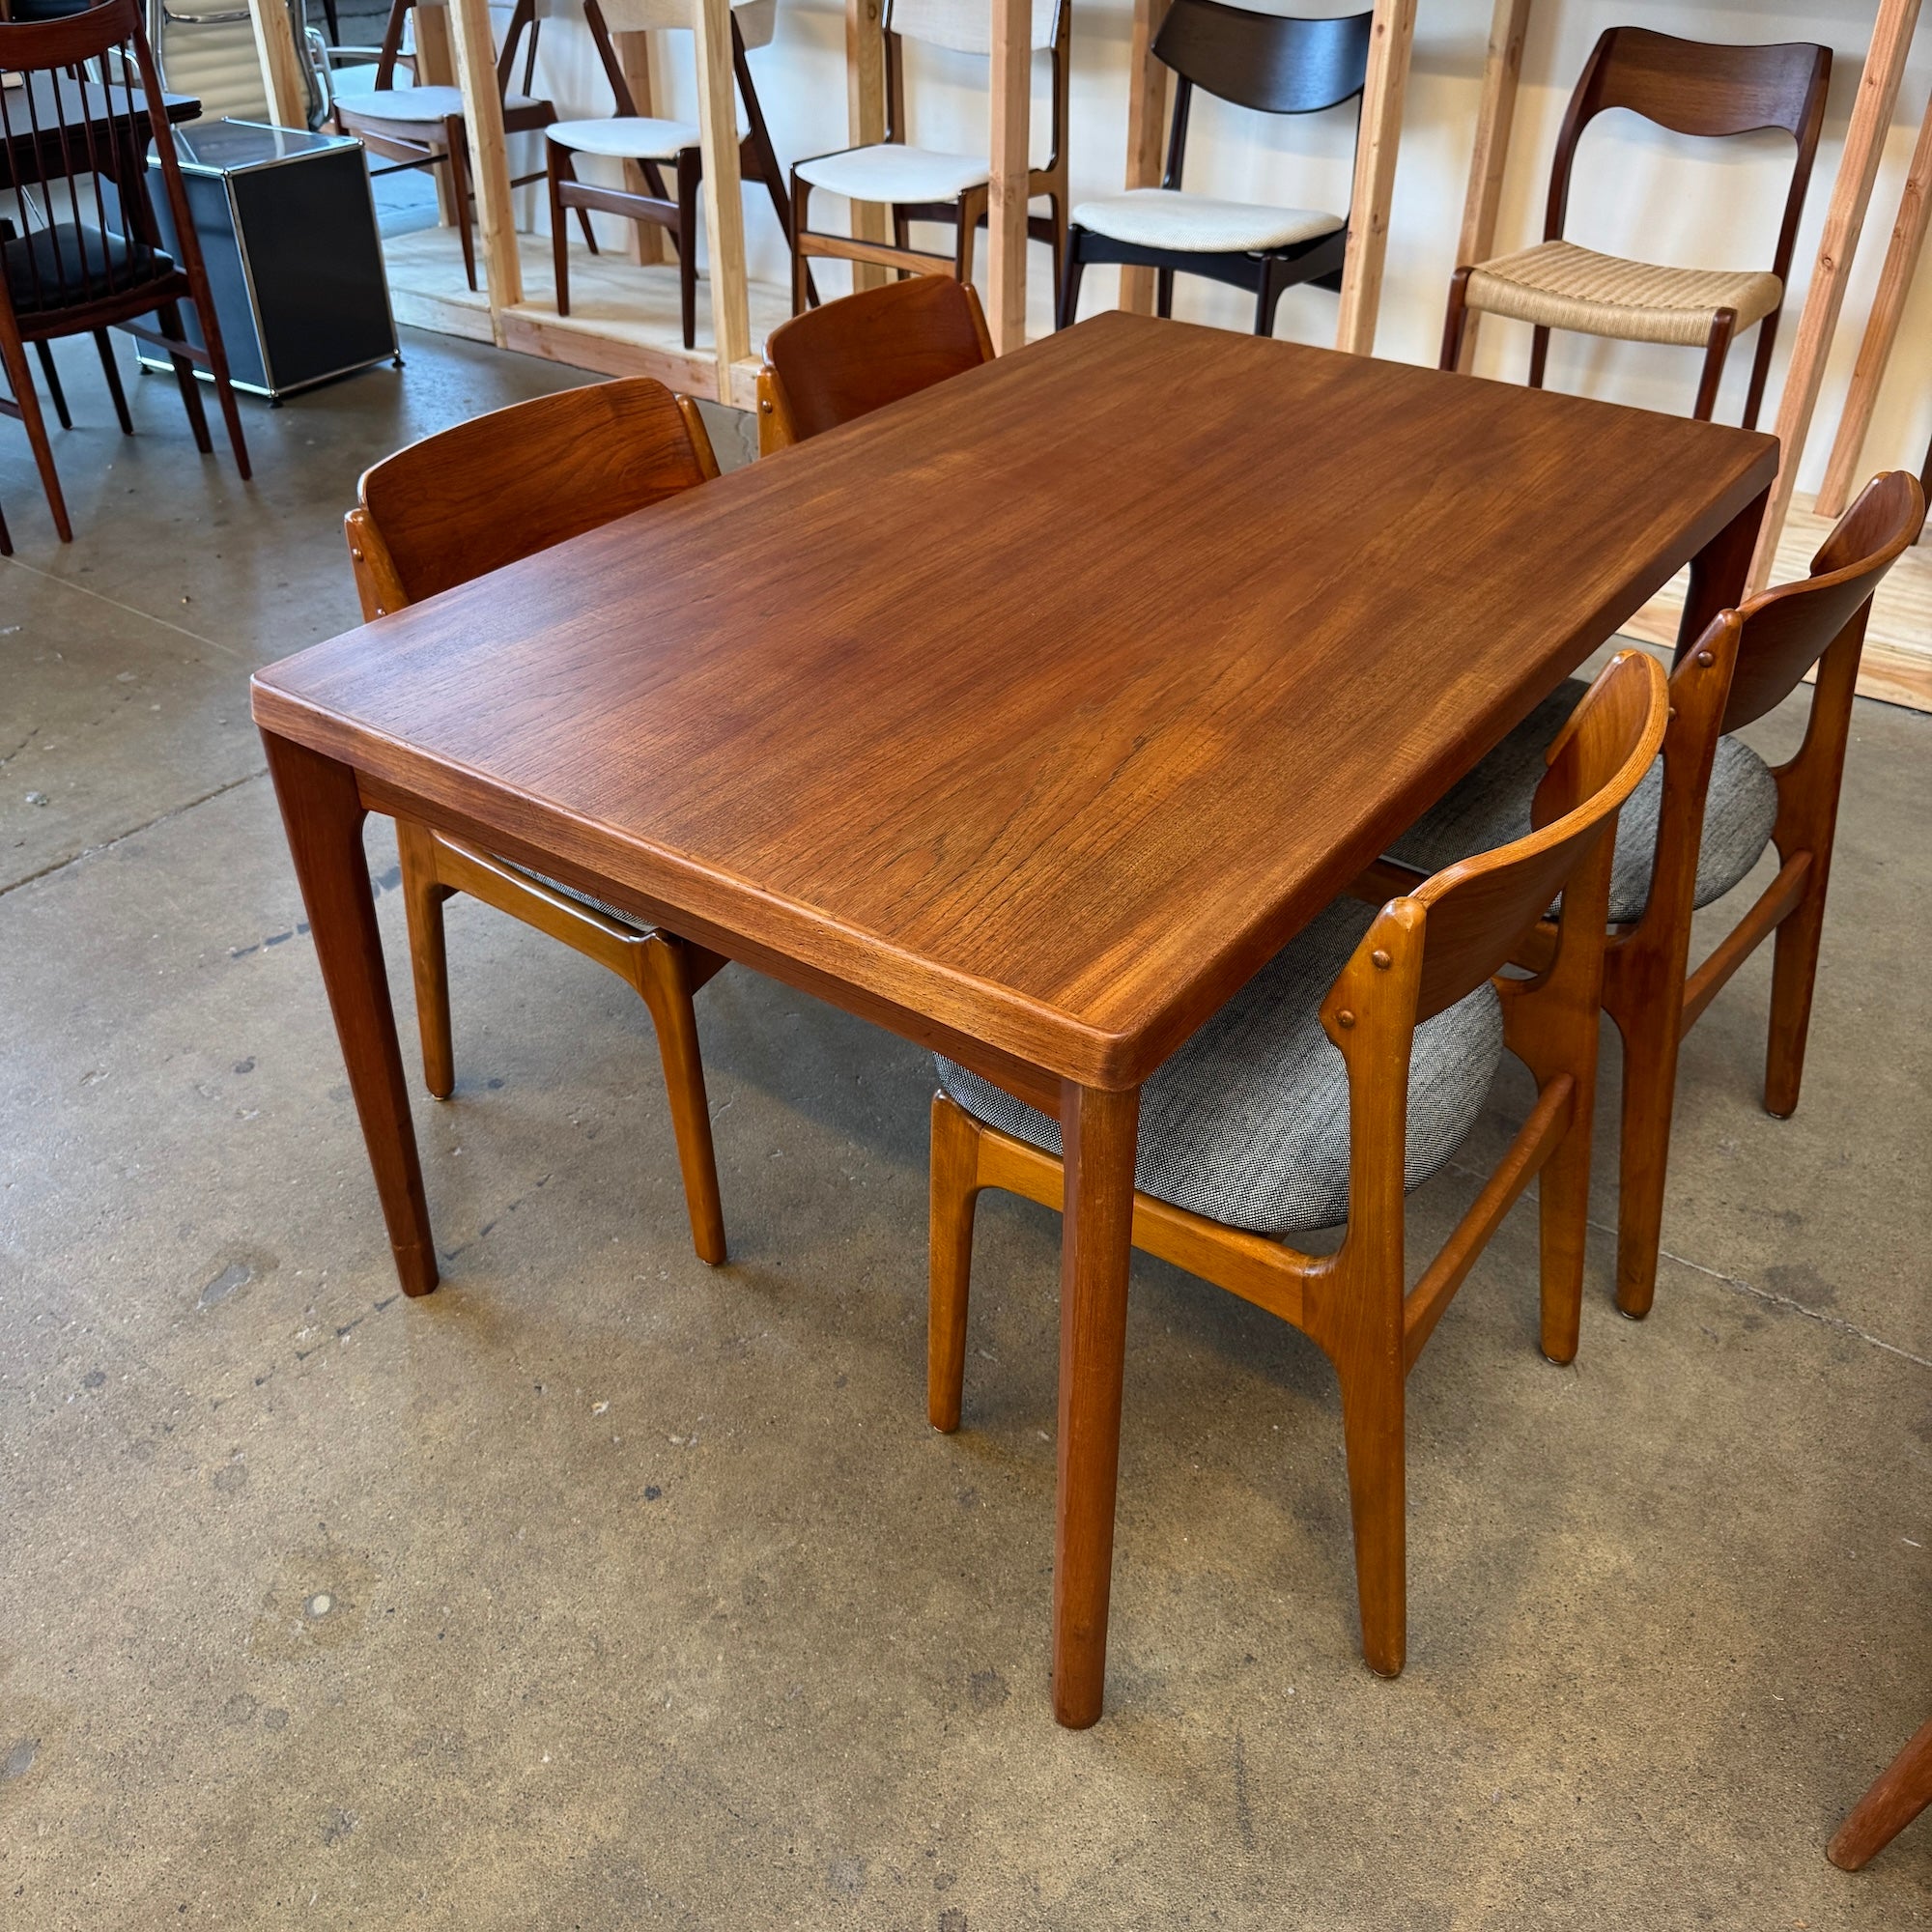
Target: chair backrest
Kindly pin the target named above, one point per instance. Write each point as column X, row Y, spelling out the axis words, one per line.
column 752, row 25
column 1275, row 64
column 1701, row 88
column 81, row 141
column 965, row 26
column 504, row 486
column 848, row 357
column 1481, row 910
column 526, row 17
column 1784, row 631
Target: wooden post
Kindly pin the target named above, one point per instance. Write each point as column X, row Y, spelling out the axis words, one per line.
column 1146, row 133
column 1496, row 119
column 724, row 199
column 865, row 120
column 634, row 56
column 1851, row 194
column 281, row 71
column 1374, row 175
column 1007, row 201
column 1894, row 285
column 436, row 67
column 489, row 164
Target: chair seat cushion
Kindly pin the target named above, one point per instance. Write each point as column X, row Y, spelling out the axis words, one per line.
column 1160, row 217
column 1558, row 285
column 1492, row 805
column 889, row 172
column 1248, row 1124
column 419, row 103
column 629, row 137
column 62, row 267
column 603, row 906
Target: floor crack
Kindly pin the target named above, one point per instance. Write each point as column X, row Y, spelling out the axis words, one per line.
column 86, row 591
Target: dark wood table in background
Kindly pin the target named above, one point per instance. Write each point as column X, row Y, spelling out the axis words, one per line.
column 1027, row 718
column 52, row 106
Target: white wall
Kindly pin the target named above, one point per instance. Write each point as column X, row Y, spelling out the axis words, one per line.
column 1639, row 189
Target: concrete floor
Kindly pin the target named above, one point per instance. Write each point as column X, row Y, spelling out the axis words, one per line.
column 603, row 1590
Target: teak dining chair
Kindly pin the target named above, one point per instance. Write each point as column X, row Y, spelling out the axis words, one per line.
column 85, row 252
column 925, row 183
column 1275, row 64
column 1696, row 827
column 474, row 498
column 1691, row 87
column 848, row 357
column 422, row 126
column 1258, row 1128
column 653, row 144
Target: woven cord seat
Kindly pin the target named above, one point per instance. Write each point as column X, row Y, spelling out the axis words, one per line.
column 1558, row 285
column 1248, row 1124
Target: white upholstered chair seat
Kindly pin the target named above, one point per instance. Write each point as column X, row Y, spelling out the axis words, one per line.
column 418, row 104
column 627, row 137
column 1161, row 217
column 890, row 172
column 1558, row 285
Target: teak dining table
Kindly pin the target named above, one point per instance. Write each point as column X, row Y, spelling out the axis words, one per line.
column 1027, row 718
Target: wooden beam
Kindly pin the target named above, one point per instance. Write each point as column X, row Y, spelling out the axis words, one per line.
column 436, row 67
column 281, row 71
column 1851, row 195
column 1496, row 121
column 1148, row 87
column 1894, row 285
column 489, row 164
column 723, row 197
column 1012, row 88
column 866, row 119
column 634, row 56
column 1374, row 175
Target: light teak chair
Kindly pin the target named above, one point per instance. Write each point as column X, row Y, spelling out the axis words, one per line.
column 1696, row 827
column 925, row 183
column 473, row 498
column 851, row 356
column 1258, row 1127
column 1274, row 64
column 651, row 145
column 1691, row 87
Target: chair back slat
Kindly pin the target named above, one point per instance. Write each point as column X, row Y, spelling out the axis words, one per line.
column 1275, row 64
column 965, row 26
column 1787, row 629
column 1481, row 911
column 1701, row 87
column 503, row 486
column 848, row 357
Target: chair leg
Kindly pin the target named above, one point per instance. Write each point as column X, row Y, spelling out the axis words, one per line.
column 429, row 962
column 111, row 370
column 51, row 376
column 1267, row 297
column 1372, row 1426
column 1760, row 375
column 1058, row 204
column 972, row 207
column 690, row 171
column 217, row 369
column 1456, row 319
column 1070, row 282
column 558, row 169
column 1539, row 358
column 1163, row 293
column 1649, row 1088
column 459, row 193
column 1714, row 351
column 664, row 979
column 1794, row 971
column 1897, row 1795
column 185, row 378
column 801, row 196
column 956, row 1191
column 27, row 398
column 1563, row 1212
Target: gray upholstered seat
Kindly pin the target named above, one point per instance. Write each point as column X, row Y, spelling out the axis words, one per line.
column 1248, row 1124
column 1491, row 807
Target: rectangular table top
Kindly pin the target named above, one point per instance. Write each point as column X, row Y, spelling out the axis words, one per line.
column 1051, row 701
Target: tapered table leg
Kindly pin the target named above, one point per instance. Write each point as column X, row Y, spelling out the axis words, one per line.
column 1098, row 1130
column 323, row 813
column 1720, row 570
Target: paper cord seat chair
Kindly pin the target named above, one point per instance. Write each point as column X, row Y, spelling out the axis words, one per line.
column 653, row 144
column 1691, row 87
column 474, row 498
column 1345, row 1074
column 926, row 184
column 1697, row 826
column 848, row 357
column 1275, row 64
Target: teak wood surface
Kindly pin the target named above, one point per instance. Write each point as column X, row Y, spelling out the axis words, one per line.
column 1036, row 712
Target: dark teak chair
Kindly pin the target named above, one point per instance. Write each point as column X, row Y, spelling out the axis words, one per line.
column 851, row 356
column 1275, row 64
column 1697, row 826
column 1345, row 1072
column 472, row 499
column 1691, row 87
